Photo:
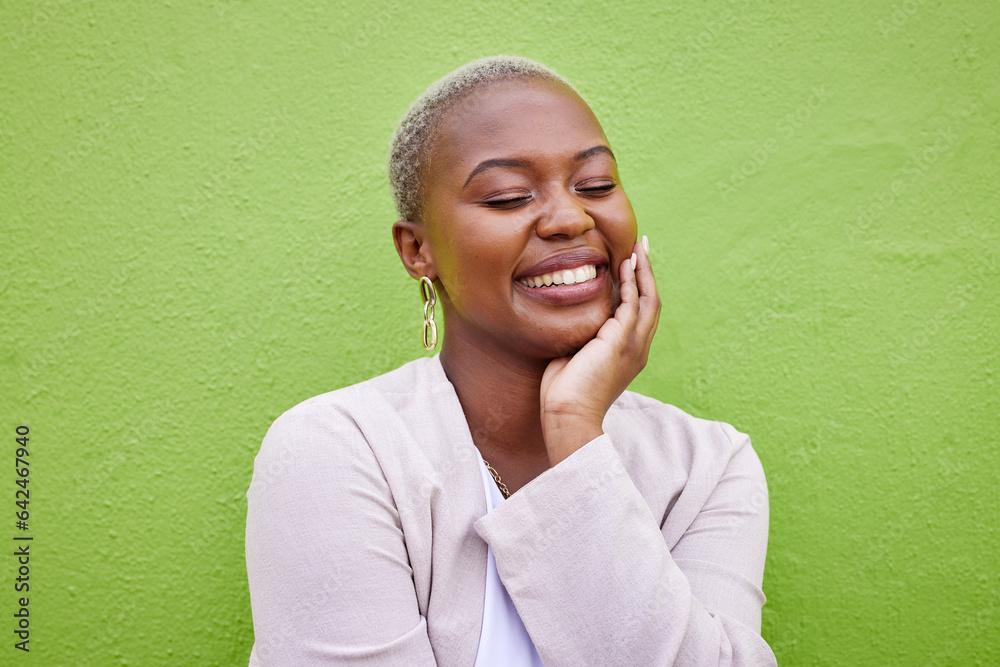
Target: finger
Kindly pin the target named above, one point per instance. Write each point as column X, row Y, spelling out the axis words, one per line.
column 648, row 295
column 628, row 312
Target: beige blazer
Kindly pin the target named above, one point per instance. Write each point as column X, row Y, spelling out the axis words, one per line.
column 367, row 536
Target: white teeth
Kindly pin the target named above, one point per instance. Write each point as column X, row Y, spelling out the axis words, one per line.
column 567, row 277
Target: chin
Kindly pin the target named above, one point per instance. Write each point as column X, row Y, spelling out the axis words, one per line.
column 570, row 341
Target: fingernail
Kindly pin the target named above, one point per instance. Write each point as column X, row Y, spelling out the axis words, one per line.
column 645, row 244
column 633, row 261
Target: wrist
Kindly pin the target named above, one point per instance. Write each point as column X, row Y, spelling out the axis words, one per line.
column 564, row 433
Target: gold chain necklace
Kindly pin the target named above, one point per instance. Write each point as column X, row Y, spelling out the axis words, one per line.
column 496, row 478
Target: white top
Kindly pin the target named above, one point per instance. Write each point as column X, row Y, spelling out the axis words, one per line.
column 503, row 642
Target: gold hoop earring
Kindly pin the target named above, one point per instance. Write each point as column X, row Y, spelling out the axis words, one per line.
column 429, row 297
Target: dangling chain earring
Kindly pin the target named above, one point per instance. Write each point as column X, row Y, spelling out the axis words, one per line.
column 429, row 297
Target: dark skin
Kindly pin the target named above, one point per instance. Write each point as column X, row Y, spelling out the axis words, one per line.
column 519, row 172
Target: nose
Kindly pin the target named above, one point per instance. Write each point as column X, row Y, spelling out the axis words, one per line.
column 564, row 216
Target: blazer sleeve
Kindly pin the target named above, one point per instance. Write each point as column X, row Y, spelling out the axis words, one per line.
column 589, row 571
column 330, row 582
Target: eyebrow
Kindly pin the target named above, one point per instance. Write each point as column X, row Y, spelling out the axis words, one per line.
column 515, row 163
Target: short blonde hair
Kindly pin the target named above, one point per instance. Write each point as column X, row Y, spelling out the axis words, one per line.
column 411, row 140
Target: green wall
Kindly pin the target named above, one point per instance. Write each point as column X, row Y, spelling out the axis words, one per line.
column 194, row 228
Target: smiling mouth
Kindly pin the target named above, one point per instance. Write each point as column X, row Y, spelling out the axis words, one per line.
column 580, row 274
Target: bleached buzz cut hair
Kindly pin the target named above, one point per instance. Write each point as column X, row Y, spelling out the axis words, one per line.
column 411, row 141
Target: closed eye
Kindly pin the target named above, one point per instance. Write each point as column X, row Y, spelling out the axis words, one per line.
column 597, row 189
column 508, row 202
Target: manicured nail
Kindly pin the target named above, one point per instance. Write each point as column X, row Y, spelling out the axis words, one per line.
column 633, row 261
column 645, row 244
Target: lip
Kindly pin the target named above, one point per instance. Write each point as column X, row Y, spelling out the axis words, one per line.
column 570, row 259
column 567, row 295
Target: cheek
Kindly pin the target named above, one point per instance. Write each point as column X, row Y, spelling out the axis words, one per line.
column 621, row 230
column 477, row 269
column 628, row 217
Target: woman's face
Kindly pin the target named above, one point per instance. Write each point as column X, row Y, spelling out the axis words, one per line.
column 521, row 184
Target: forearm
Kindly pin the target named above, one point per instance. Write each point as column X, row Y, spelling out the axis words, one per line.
column 584, row 560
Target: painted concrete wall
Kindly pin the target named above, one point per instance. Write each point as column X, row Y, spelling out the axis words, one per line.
column 194, row 229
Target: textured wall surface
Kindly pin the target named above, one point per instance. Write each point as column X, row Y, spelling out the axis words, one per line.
column 194, row 230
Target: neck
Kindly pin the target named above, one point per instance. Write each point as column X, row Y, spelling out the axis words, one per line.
column 501, row 396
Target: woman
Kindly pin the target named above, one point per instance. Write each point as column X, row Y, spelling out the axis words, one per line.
column 607, row 528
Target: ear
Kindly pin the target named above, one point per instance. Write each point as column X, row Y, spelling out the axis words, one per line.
column 414, row 249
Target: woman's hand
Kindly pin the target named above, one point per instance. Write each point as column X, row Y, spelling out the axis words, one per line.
column 578, row 390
